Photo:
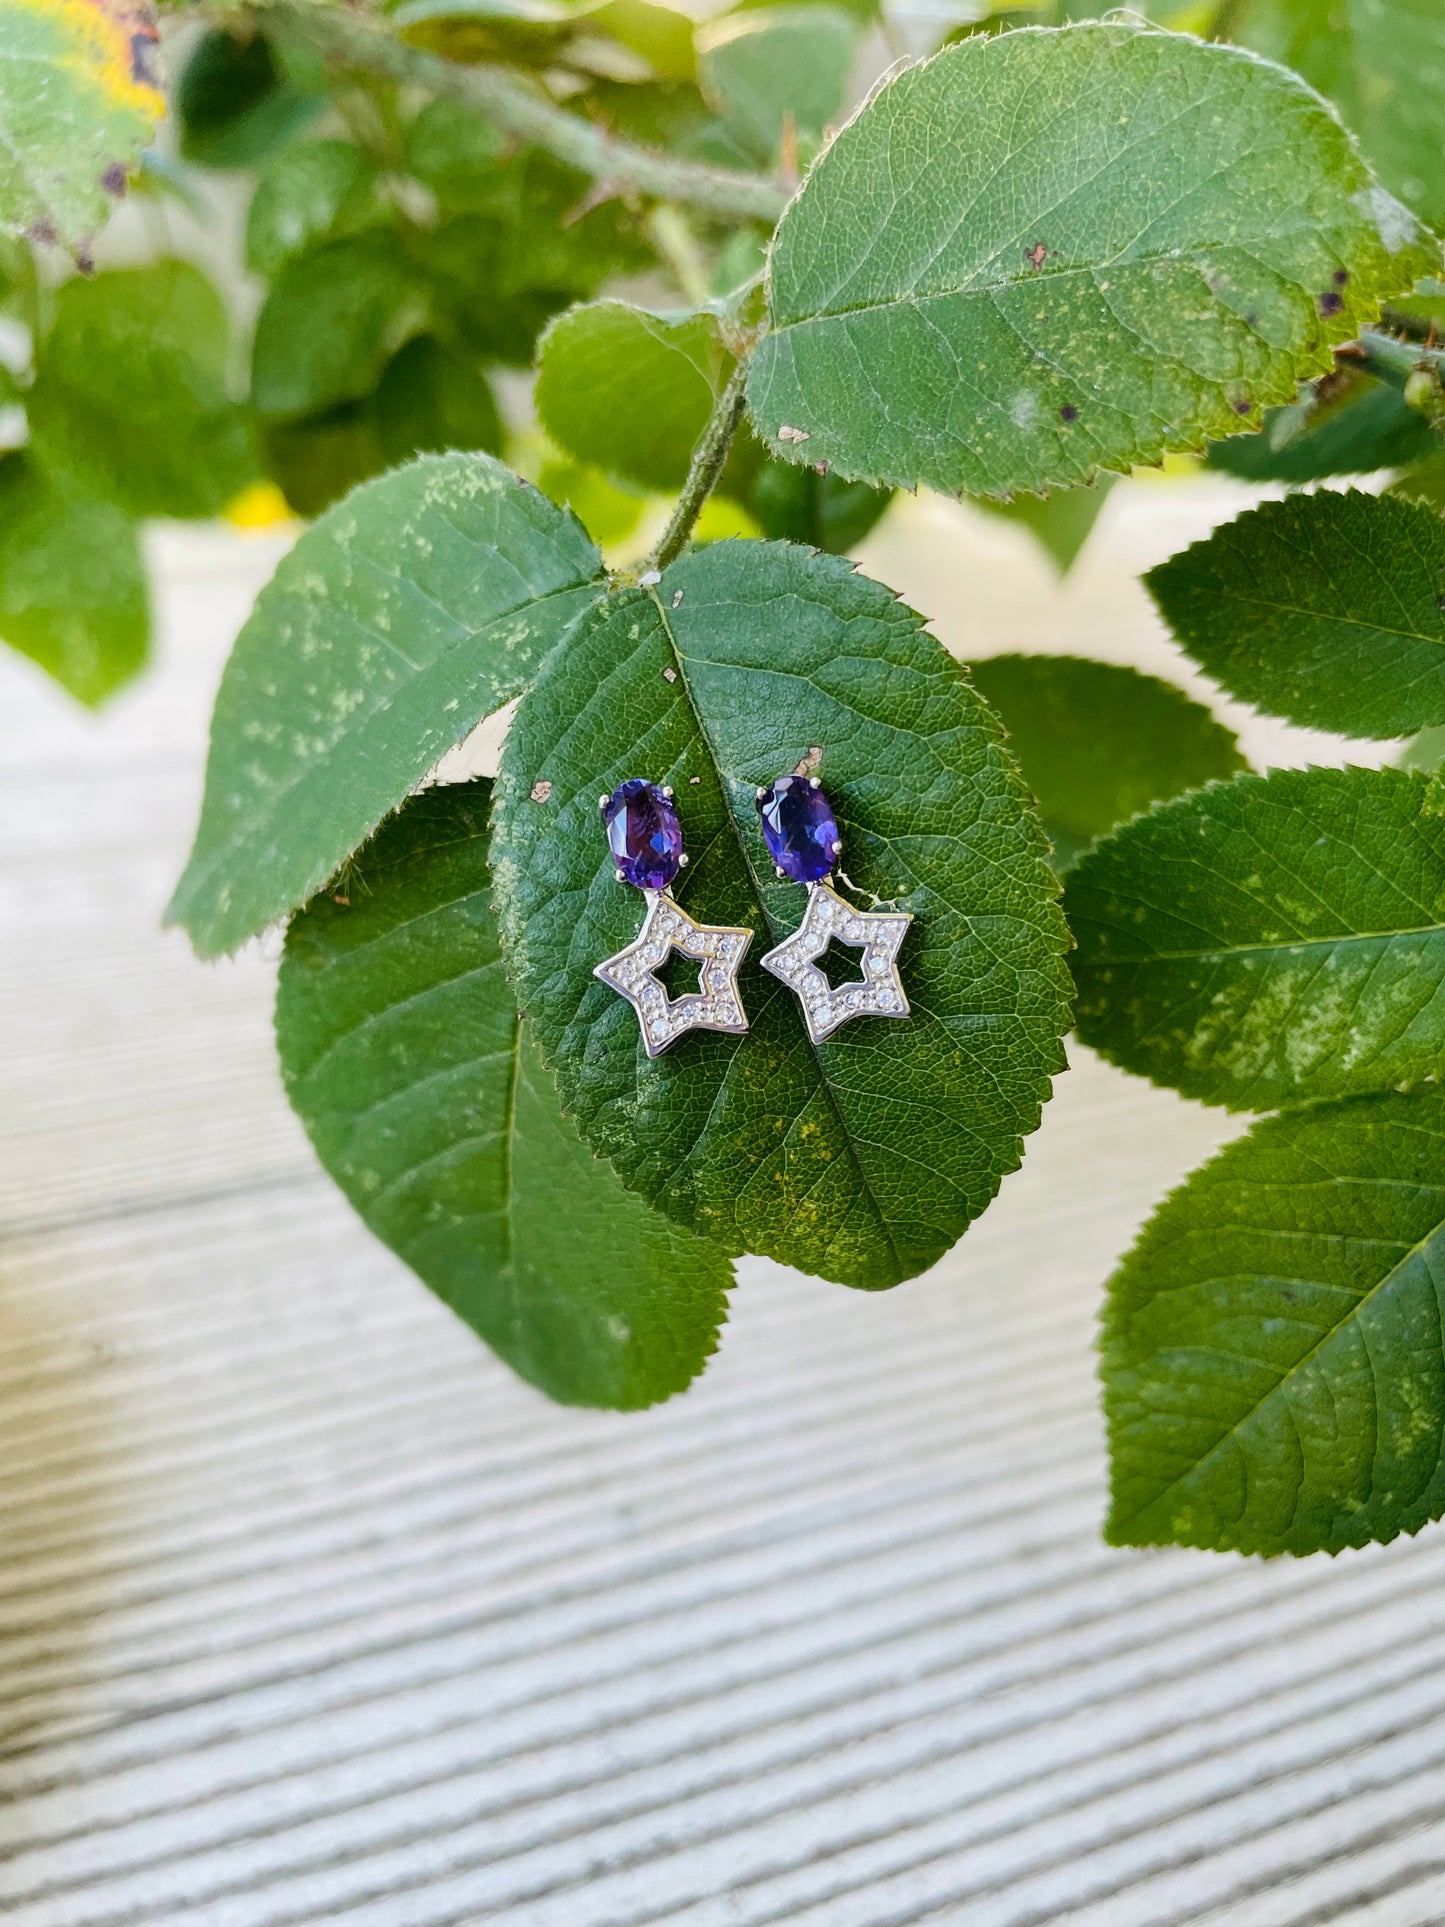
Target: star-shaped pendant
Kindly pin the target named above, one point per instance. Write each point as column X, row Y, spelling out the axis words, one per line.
column 714, row 1005
column 879, row 934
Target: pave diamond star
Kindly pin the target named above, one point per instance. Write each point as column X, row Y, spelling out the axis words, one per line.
column 878, row 990
column 714, row 1005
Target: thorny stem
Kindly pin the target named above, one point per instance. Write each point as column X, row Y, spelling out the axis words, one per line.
column 518, row 107
column 708, row 460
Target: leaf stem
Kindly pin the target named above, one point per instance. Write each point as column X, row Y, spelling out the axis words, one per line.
column 519, row 107
column 708, row 460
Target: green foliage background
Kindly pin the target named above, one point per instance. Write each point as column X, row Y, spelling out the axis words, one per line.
column 529, row 305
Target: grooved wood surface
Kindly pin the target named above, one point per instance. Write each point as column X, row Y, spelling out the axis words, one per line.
column 309, row 1612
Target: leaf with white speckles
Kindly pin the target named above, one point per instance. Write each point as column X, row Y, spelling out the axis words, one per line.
column 416, row 606
column 1050, row 252
column 1273, row 1372
column 418, row 1083
column 1271, row 940
column 865, row 1157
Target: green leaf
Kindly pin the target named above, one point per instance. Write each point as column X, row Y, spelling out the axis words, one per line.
column 1322, row 609
column 1098, row 743
column 1383, row 63
column 456, row 153
column 1060, row 522
column 1348, row 424
column 1046, row 253
column 630, row 391
column 761, row 67
column 315, row 462
column 317, row 191
column 823, row 511
column 1272, row 1362
column 404, row 1056
column 431, row 400
column 411, row 610
column 237, row 103
column 79, row 99
column 72, row 583
column 865, row 1158
column 1270, row 940
column 131, row 393
column 332, row 321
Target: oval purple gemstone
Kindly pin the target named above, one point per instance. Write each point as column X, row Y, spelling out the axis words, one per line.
column 643, row 834
column 799, row 829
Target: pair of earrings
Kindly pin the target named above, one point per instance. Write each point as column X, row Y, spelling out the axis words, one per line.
column 801, row 833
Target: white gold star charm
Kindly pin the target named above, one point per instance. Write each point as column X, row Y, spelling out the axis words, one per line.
column 878, row 990
column 714, row 1005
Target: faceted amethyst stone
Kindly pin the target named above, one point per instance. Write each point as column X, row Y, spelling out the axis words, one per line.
column 643, row 834
column 799, row 828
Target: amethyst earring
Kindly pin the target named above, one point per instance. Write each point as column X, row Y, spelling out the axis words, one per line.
column 645, row 838
column 801, row 833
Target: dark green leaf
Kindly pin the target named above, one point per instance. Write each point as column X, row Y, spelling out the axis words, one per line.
column 1273, row 1369
column 1349, row 424
column 1383, row 63
column 1060, row 522
column 823, row 511
column 1323, row 609
column 1270, row 940
column 431, row 400
column 1098, row 743
column 764, row 66
column 410, row 611
column 314, row 192
column 72, row 583
column 404, row 1055
column 1045, row 253
column 131, row 392
column 864, row 1159
column 236, row 103
column 332, row 321
column 316, row 461
column 630, row 391
column 79, row 101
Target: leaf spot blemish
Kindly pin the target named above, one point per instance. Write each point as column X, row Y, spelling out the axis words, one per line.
column 790, row 434
column 1330, row 302
column 677, row 598
column 1036, row 255
column 541, row 791
column 1068, row 413
column 113, row 180
column 669, row 674
column 1340, row 277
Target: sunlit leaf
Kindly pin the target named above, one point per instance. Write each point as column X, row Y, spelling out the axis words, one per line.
column 1046, row 253
column 1270, row 940
column 862, row 1159
column 79, row 99
column 132, row 392
column 410, row 611
column 630, row 391
column 313, row 192
column 764, row 68
column 72, row 583
column 403, row 1052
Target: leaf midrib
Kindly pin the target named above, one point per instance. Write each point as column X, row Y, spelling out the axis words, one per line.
column 913, row 297
column 1333, row 616
column 1282, row 943
column 824, row 1082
